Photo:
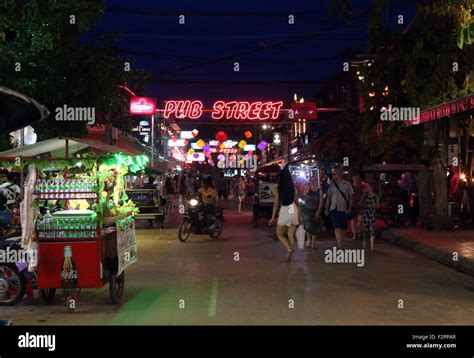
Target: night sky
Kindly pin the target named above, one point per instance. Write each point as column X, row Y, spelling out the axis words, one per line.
column 276, row 59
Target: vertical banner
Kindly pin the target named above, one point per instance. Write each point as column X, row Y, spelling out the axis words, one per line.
column 126, row 246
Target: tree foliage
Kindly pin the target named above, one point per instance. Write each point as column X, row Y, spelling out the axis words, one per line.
column 422, row 66
column 58, row 67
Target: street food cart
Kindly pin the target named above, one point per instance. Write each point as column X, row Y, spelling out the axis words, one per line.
column 81, row 222
column 148, row 197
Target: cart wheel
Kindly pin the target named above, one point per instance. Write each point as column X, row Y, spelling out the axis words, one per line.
column 71, row 302
column 47, row 295
column 116, row 287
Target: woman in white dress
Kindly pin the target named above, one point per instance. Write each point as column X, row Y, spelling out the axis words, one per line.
column 290, row 214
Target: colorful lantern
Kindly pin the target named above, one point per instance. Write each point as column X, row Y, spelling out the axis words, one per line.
column 191, row 151
column 221, row 136
column 242, row 144
column 262, row 145
column 195, row 133
column 248, row 135
column 200, row 143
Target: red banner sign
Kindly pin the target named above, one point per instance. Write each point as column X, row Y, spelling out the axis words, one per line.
column 142, row 105
column 304, row 110
column 445, row 110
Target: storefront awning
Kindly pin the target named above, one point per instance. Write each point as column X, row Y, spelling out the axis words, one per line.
column 56, row 147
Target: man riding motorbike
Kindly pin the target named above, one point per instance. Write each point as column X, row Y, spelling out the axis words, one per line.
column 208, row 197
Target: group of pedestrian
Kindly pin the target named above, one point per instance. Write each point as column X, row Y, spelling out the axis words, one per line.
column 180, row 189
column 341, row 201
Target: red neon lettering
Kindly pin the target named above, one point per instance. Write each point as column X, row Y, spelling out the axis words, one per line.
column 276, row 109
column 170, row 107
column 231, row 108
column 218, row 110
column 265, row 109
column 254, row 110
column 242, row 110
column 195, row 109
column 182, row 109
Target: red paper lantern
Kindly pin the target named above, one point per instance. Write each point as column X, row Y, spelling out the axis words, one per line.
column 221, row 136
column 248, row 135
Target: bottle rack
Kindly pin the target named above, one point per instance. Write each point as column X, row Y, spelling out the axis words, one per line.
column 69, row 228
column 65, row 195
column 67, row 234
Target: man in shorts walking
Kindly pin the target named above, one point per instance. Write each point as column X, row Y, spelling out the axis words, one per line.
column 339, row 202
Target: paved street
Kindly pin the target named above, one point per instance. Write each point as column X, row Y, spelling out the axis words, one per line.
column 199, row 282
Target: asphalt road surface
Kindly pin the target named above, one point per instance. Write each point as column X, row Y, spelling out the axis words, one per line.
column 241, row 279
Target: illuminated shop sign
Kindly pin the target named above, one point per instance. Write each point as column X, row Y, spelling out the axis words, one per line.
column 224, row 110
column 142, row 105
column 306, row 110
column 186, row 135
column 176, row 143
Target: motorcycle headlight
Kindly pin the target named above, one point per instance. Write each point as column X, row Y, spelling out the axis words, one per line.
column 193, row 202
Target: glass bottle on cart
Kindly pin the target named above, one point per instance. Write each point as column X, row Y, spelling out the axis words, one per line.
column 69, row 270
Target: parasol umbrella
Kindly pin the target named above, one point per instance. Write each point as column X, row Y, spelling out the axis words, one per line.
column 18, row 111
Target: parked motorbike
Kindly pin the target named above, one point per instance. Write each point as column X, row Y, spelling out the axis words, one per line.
column 194, row 222
column 13, row 275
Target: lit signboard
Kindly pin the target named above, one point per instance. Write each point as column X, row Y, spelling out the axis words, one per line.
column 306, row 110
column 224, row 110
column 176, row 143
column 186, row 135
column 142, row 105
column 276, row 138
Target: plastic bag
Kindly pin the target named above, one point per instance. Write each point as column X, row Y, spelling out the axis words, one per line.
column 300, row 236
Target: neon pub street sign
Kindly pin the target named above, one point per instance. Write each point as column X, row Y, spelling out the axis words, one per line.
column 224, row 110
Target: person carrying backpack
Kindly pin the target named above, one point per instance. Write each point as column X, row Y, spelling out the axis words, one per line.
column 10, row 193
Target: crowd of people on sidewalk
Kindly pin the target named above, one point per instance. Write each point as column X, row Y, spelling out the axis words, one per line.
column 338, row 201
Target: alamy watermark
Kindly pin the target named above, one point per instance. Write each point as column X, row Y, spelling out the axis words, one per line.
column 410, row 114
column 13, row 256
column 82, row 114
column 339, row 256
column 238, row 161
column 28, row 340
